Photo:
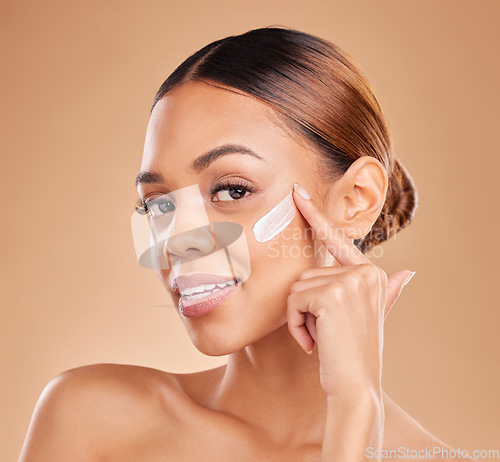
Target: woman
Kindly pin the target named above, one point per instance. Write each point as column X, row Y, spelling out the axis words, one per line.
column 276, row 136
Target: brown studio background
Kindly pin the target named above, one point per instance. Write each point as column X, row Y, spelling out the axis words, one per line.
column 78, row 79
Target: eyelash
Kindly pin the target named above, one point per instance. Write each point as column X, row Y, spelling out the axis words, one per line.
column 223, row 185
column 141, row 207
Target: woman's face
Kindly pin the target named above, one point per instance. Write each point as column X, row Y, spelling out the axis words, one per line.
column 193, row 119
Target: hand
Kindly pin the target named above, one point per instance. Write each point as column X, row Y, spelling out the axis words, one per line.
column 342, row 309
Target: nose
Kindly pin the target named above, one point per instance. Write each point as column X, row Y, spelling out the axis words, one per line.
column 195, row 243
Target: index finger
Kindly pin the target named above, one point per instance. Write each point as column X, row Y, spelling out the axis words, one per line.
column 333, row 237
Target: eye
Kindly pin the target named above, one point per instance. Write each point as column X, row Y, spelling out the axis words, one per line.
column 160, row 206
column 230, row 191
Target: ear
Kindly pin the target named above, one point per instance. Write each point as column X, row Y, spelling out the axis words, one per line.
column 357, row 198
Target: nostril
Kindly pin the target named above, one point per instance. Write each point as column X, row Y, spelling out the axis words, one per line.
column 189, row 245
column 182, row 253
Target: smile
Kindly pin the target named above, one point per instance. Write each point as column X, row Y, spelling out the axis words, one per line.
column 203, row 290
column 201, row 293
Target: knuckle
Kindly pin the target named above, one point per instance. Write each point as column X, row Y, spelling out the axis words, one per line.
column 306, row 274
column 353, row 279
column 334, row 289
column 369, row 272
column 321, row 310
column 290, row 301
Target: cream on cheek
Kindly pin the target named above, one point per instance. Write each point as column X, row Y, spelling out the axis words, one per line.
column 276, row 220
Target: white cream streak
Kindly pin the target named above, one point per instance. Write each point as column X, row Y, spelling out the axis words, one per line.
column 276, row 220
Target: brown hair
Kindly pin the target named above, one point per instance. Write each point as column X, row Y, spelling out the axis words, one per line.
column 317, row 91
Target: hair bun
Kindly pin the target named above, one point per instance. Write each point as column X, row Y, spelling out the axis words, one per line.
column 399, row 209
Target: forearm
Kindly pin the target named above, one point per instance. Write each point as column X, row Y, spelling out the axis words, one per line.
column 352, row 425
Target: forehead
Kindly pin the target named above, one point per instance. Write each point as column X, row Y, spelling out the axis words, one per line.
column 197, row 116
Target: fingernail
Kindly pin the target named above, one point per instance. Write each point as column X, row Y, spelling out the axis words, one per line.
column 300, row 190
column 310, row 352
column 408, row 278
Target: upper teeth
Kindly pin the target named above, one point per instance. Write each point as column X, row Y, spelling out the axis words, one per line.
column 205, row 287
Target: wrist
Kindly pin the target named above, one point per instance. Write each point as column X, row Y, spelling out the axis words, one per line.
column 363, row 396
column 354, row 422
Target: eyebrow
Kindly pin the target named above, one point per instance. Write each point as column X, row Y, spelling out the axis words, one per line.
column 149, row 177
column 206, row 159
column 199, row 164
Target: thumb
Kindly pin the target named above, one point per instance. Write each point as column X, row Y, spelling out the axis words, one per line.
column 395, row 283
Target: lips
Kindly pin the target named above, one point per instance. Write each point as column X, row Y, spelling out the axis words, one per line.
column 194, row 284
column 201, row 293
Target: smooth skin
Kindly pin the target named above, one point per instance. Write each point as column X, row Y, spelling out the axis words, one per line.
column 271, row 401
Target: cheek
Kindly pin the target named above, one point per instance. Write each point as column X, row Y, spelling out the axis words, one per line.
column 275, row 221
column 278, row 262
column 280, row 245
column 274, row 270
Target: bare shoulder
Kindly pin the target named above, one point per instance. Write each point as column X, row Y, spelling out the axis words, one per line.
column 99, row 409
column 405, row 439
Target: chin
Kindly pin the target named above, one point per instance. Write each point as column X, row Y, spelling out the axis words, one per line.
column 231, row 335
column 224, row 336
column 210, row 348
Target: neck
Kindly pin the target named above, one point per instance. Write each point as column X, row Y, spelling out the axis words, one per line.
column 274, row 385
